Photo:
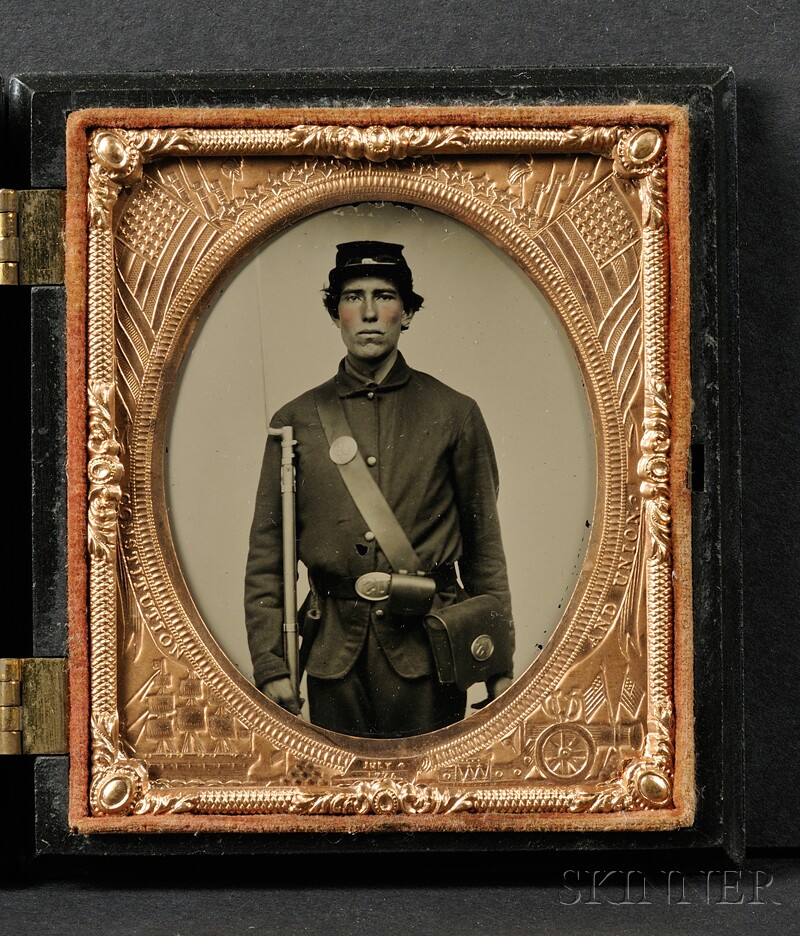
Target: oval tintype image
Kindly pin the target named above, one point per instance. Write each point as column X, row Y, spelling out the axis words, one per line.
column 430, row 404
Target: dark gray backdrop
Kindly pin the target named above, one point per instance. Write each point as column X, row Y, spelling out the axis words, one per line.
column 759, row 39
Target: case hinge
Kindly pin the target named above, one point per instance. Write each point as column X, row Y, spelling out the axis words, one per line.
column 31, row 237
column 33, row 706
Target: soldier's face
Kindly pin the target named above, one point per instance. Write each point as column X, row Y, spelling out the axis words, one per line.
column 371, row 317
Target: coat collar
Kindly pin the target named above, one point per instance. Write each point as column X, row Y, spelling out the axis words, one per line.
column 349, row 386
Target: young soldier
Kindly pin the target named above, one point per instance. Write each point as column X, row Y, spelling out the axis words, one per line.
column 367, row 655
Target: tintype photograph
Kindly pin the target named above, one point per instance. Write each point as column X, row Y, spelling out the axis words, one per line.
column 482, row 330
column 384, row 426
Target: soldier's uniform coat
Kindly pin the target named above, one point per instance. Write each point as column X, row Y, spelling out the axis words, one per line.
column 433, row 459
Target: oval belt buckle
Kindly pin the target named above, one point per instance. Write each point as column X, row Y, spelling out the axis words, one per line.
column 373, row 586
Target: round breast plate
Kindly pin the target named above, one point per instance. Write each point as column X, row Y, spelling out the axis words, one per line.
column 343, row 450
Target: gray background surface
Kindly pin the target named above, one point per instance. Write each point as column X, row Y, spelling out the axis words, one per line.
column 759, row 38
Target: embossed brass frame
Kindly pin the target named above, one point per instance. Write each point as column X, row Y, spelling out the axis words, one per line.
column 597, row 734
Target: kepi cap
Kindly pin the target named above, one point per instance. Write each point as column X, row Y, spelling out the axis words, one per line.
column 374, row 258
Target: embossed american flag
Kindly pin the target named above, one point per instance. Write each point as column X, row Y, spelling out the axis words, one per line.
column 631, row 696
column 595, row 696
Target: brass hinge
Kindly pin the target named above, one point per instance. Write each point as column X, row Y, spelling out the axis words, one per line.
column 31, row 237
column 33, row 706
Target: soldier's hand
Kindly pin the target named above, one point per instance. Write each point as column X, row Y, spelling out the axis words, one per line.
column 282, row 692
column 496, row 686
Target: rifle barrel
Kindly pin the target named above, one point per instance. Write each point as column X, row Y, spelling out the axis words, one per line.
column 288, row 488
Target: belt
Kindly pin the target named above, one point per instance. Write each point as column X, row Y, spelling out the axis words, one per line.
column 444, row 576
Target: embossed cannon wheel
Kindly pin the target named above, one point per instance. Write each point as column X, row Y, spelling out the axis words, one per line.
column 565, row 752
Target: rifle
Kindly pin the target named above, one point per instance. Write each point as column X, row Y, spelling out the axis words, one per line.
column 289, row 535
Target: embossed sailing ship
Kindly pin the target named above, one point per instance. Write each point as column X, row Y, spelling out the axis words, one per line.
column 189, row 734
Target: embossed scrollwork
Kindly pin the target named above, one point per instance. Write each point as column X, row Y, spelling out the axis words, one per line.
column 376, row 143
column 105, row 472
column 382, row 797
column 152, row 143
column 653, row 469
column 380, row 143
column 115, row 162
column 654, row 198
column 599, row 140
column 639, row 155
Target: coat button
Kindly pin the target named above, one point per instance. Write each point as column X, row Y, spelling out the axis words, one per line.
column 369, row 536
column 379, row 612
column 372, row 460
column 371, row 395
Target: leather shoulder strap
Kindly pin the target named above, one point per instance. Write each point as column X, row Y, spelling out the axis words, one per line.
column 362, row 487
